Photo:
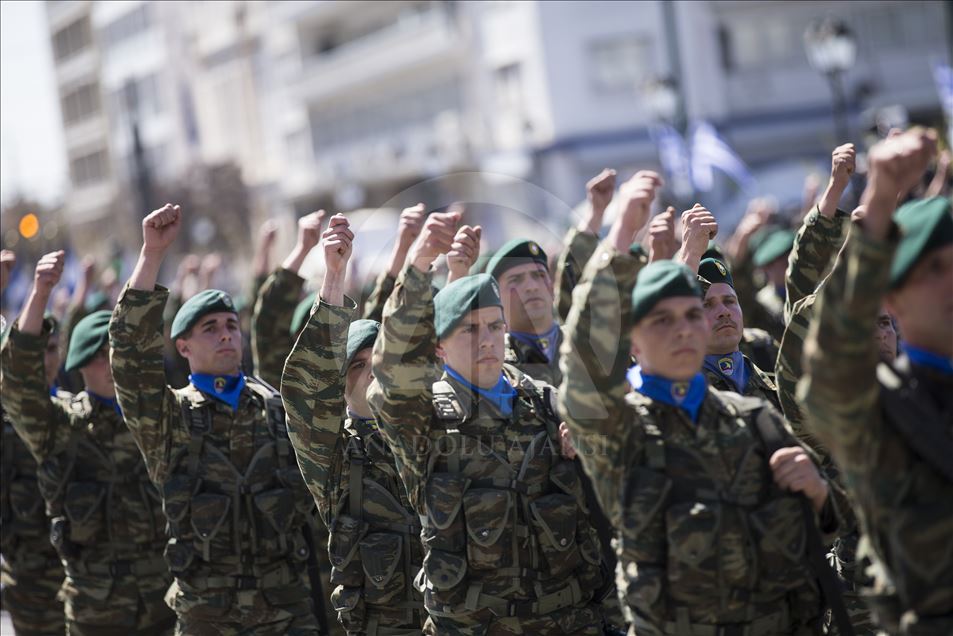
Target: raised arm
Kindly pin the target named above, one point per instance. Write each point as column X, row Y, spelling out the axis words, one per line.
column 276, row 302
column 41, row 422
column 595, row 355
column 404, row 359
column 698, row 228
column 411, row 222
column 581, row 241
column 312, row 385
column 840, row 355
column 463, row 252
column 136, row 342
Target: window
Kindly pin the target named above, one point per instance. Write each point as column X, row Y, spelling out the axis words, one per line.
column 911, row 24
column 508, row 86
column 126, row 26
column 620, row 63
column 81, row 103
column 71, row 39
column 88, row 168
column 760, row 42
column 145, row 93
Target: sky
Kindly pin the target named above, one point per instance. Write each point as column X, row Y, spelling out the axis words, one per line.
column 32, row 154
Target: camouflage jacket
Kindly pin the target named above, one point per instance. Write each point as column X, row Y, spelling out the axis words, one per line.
column 815, row 246
column 374, row 307
column 705, row 536
column 761, row 307
column 375, row 535
column 271, row 323
column 504, row 517
column 888, row 429
column 531, row 361
column 759, row 384
column 578, row 248
column 760, row 348
column 107, row 522
column 236, row 503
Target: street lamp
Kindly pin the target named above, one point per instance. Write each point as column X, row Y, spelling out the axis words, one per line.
column 832, row 50
column 662, row 98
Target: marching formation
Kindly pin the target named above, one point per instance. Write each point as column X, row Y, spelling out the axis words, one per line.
column 639, row 435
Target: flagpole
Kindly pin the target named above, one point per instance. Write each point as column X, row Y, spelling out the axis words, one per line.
column 680, row 116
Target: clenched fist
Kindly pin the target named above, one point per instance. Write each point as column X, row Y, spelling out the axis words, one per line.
column 160, row 228
column 49, row 270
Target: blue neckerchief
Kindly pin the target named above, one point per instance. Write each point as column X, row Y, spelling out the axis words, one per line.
column 923, row 358
column 781, row 291
column 688, row 396
column 224, row 388
column 105, row 401
column 544, row 342
column 731, row 366
column 54, row 388
column 502, row 395
column 367, row 421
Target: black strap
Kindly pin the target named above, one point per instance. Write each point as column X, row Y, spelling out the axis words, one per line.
column 314, row 576
column 816, row 555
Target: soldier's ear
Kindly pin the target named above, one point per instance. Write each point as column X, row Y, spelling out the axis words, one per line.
column 182, row 346
column 440, row 351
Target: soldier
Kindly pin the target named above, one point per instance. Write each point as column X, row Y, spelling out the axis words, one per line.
column 31, row 571
column 375, row 535
column 508, row 546
column 107, row 522
column 411, row 222
column 219, row 452
column 693, row 479
column 887, row 425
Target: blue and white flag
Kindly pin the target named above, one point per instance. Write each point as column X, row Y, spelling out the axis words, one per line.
column 710, row 151
column 943, row 76
column 674, row 157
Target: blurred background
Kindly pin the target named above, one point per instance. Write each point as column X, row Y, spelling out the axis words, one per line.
column 243, row 111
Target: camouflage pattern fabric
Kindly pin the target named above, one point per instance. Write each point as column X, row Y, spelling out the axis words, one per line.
column 376, row 549
column 531, row 361
column 31, row 571
column 271, row 322
column 762, row 308
column 481, row 482
column 236, row 503
column 759, row 384
column 578, row 248
column 705, row 537
column 374, row 307
column 888, row 429
column 107, row 522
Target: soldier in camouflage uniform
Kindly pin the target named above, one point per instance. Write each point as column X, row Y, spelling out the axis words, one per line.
column 411, row 222
column 219, row 452
column 816, row 242
column 887, row 426
column 107, row 522
column 375, row 535
column 31, row 571
column 508, row 546
column 710, row 541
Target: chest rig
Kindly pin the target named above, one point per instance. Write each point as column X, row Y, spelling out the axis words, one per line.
column 704, row 500
column 505, row 522
column 239, row 527
column 374, row 545
column 23, row 516
column 106, row 516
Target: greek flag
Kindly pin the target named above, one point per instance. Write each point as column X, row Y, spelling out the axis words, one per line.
column 673, row 155
column 710, row 151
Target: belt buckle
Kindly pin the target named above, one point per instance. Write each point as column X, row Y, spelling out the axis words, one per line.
column 246, row 583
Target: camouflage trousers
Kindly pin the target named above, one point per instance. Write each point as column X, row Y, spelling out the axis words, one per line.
column 30, row 598
column 579, row 621
column 294, row 626
column 123, row 605
column 843, row 558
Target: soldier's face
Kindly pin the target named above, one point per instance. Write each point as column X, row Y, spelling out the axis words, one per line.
column 724, row 318
column 97, row 375
column 51, row 359
column 775, row 270
column 672, row 339
column 923, row 305
column 527, row 294
column 474, row 348
column 886, row 336
column 356, row 380
column 214, row 345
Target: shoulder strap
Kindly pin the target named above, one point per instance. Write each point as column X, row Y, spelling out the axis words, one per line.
column 356, row 456
column 654, row 441
column 446, row 402
column 199, row 419
column 911, row 415
column 816, row 554
column 275, row 414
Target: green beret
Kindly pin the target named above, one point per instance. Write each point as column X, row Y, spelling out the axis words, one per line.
column 479, row 266
column 456, row 300
column 516, row 252
column 658, row 281
column 714, row 271
column 89, row 336
column 926, row 225
column 774, row 246
column 360, row 335
column 302, row 313
column 95, row 301
column 202, row 304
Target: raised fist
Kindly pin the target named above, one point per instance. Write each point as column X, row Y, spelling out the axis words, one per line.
column 49, row 269
column 161, row 227
column 7, row 260
column 843, row 163
column 411, row 224
column 662, row 244
column 337, row 241
column 437, row 235
column 635, row 199
column 309, row 230
column 464, row 251
column 698, row 227
column 599, row 190
column 897, row 163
